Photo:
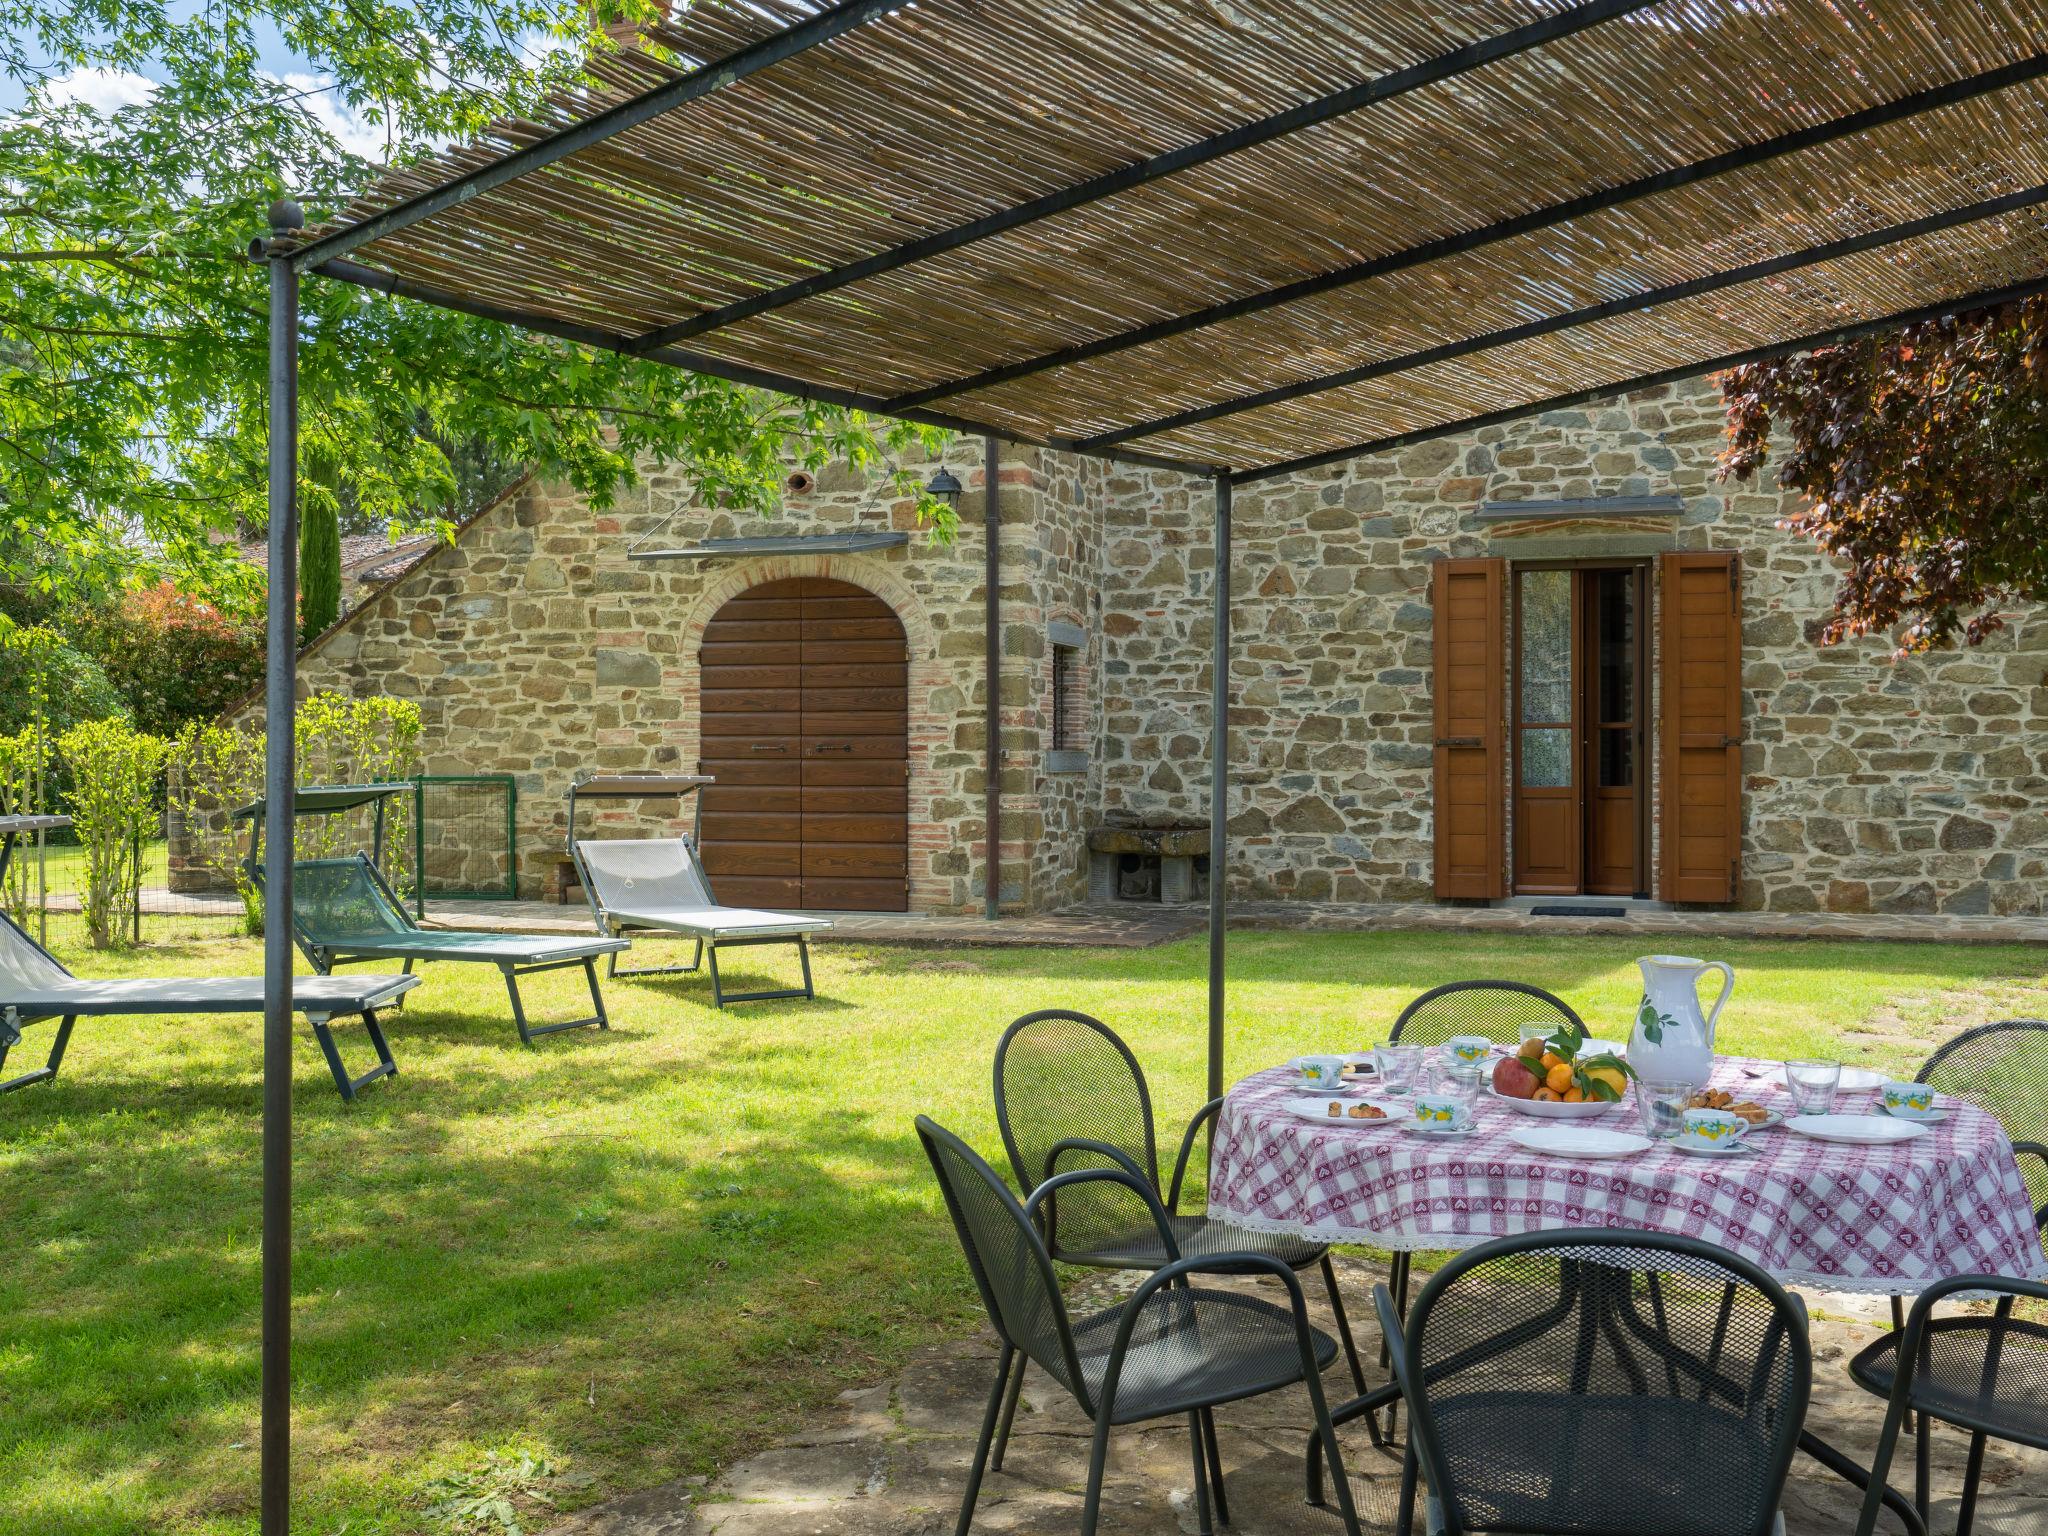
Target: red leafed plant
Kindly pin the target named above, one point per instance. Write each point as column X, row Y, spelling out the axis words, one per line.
column 1923, row 455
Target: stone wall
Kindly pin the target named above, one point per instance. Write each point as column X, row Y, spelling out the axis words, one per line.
column 536, row 647
column 1867, row 786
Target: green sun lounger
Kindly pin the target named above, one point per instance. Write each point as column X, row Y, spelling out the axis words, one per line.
column 345, row 913
column 34, row 985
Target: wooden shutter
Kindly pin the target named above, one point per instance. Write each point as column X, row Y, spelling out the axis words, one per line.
column 1471, row 785
column 1699, row 685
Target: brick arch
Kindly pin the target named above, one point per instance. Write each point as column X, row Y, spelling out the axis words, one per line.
column 927, row 732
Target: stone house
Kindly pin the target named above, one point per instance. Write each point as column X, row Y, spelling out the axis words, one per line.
column 1554, row 658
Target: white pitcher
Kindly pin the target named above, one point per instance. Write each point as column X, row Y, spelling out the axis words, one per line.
column 1672, row 1041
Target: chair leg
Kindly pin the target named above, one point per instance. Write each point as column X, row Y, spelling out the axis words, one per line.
column 49, row 1068
column 1009, row 1413
column 1899, row 1328
column 1895, row 1418
column 1404, row 1519
column 1343, row 1323
column 1098, row 1453
column 518, row 1008
column 988, row 1430
column 1216, row 1492
column 1398, row 1276
column 596, row 997
column 1203, row 1522
column 1922, row 1472
column 1973, row 1473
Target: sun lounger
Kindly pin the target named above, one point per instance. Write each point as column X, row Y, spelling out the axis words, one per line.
column 344, row 912
column 34, row 985
column 658, row 883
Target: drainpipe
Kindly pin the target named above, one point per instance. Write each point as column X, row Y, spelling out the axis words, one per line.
column 992, row 666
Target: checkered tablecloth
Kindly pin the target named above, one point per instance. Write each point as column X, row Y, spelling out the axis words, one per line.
column 1883, row 1219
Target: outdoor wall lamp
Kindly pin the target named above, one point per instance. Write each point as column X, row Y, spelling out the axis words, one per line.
column 945, row 485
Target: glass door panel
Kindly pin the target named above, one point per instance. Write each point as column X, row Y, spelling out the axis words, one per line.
column 1546, row 815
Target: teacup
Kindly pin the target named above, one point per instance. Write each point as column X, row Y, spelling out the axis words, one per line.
column 1711, row 1128
column 1441, row 1112
column 1320, row 1071
column 1468, row 1050
column 1909, row 1101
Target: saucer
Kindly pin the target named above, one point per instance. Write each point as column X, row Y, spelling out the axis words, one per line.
column 1342, row 1088
column 1733, row 1149
column 1932, row 1117
column 1450, row 1133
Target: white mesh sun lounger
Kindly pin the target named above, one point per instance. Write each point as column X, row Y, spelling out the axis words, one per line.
column 657, row 883
column 33, row 985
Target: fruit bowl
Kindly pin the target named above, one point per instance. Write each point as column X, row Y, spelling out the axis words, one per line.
column 1554, row 1109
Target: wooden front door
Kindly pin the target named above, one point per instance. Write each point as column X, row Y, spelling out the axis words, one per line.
column 1580, row 793
column 805, row 726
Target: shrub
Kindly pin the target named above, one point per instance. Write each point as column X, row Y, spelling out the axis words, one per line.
column 114, row 770
column 42, row 673
column 319, row 570
column 173, row 658
column 217, row 769
column 23, row 757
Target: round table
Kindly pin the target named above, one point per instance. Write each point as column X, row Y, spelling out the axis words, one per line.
column 1886, row 1219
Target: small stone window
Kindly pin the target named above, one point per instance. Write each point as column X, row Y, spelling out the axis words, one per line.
column 1067, row 745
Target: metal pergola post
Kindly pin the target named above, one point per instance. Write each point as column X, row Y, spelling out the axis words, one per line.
column 1219, row 778
column 992, row 624
column 280, row 667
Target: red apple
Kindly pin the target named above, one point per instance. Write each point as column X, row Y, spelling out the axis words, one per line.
column 1514, row 1078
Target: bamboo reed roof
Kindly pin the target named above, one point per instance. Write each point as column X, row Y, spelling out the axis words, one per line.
column 1222, row 233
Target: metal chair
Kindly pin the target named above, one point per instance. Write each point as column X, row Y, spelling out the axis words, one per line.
column 1069, row 1093
column 1600, row 1382
column 2002, row 1068
column 1495, row 1009
column 1986, row 1374
column 1171, row 1348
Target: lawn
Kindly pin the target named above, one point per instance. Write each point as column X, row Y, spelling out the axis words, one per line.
column 644, row 1252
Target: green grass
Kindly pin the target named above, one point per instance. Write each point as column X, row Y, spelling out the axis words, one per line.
column 640, row 1254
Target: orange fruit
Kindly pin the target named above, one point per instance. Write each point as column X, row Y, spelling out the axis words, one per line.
column 1547, row 1095
column 1552, row 1060
column 1559, row 1077
column 1575, row 1095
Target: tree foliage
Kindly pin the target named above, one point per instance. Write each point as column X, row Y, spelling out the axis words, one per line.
column 1923, row 455
column 133, row 324
column 319, row 570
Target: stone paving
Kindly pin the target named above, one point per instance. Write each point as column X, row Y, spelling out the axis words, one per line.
column 891, row 1459
column 1140, row 926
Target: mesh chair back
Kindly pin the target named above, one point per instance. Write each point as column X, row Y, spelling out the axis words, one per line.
column 1009, row 1262
column 24, row 965
column 644, row 874
column 1592, row 1381
column 1060, row 1076
column 332, row 898
column 2002, row 1068
column 1495, row 1009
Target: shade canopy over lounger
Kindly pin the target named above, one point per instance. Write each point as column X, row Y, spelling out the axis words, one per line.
column 658, row 883
column 345, row 913
column 35, row 985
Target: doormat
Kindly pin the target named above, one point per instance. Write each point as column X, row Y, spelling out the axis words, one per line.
column 1578, row 912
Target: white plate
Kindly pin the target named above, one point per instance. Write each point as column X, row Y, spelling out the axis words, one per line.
column 1553, row 1109
column 1342, row 1088
column 1579, row 1141
column 1318, row 1110
column 1864, row 1130
column 1854, row 1079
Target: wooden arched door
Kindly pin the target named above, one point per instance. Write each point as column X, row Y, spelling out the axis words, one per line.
column 806, row 727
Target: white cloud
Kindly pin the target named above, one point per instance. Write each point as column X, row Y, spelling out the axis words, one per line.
column 106, row 91
column 351, row 130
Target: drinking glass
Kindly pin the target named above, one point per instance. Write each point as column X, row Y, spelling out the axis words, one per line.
column 1462, row 1079
column 1662, row 1106
column 1537, row 1032
column 1400, row 1066
column 1814, row 1085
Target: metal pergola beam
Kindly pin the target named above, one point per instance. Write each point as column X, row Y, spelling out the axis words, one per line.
column 1570, row 320
column 1323, row 109
column 611, row 122
column 1986, row 299
column 1913, row 105
column 715, row 367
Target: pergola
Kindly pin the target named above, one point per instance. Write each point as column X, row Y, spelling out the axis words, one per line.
column 1233, row 240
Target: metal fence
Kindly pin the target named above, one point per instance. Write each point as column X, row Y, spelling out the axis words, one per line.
column 460, row 830
column 465, row 837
